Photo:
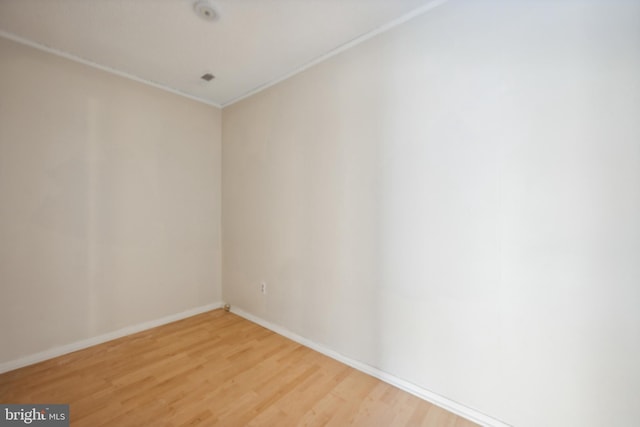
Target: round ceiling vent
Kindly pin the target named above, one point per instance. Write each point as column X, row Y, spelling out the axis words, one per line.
column 205, row 11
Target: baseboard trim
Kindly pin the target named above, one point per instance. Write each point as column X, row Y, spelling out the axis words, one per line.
column 82, row 344
column 429, row 396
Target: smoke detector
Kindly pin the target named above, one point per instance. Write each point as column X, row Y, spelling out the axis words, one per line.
column 204, row 10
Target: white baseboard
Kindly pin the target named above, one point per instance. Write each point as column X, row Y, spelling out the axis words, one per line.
column 79, row 345
column 429, row 396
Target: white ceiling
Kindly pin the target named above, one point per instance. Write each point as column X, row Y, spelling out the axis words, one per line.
column 163, row 42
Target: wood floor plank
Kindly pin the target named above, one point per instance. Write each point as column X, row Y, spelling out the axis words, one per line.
column 215, row 369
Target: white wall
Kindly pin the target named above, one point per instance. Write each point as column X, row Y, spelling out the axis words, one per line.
column 456, row 202
column 109, row 202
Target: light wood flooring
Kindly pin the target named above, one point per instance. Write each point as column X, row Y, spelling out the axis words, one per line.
column 215, row 369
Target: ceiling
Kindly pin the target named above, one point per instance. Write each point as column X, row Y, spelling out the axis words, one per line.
column 251, row 45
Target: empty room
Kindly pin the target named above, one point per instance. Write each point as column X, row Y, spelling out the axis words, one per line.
column 320, row 213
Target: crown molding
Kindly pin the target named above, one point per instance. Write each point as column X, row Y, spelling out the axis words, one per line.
column 74, row 58
column 348, row 45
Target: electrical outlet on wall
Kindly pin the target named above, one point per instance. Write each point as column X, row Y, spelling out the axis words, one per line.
column 263, row 288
